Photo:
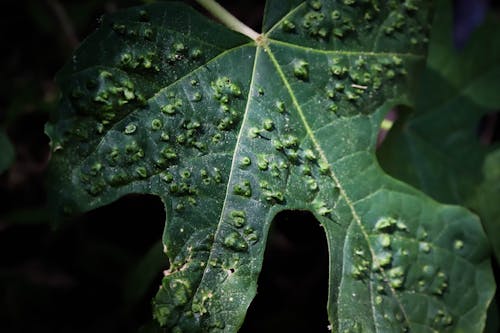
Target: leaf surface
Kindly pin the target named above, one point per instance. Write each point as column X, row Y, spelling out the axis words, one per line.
column 228, row 132
column 437, row 147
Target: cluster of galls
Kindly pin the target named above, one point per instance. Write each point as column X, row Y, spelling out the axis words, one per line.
column 356, row 80
column 124, row 154
column 145, row 41
column 356, row 19
column 109, row 94
column 387, row 271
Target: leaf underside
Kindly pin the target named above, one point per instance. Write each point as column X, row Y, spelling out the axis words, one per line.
column 228, row 133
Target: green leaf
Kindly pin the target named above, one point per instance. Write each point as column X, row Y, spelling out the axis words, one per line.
column 436, row 147
column 6, row 152
column 228, row 132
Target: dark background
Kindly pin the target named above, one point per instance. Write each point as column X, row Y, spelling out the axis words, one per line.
column 85, row 276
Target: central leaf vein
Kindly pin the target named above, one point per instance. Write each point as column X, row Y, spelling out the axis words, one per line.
column 343, row 52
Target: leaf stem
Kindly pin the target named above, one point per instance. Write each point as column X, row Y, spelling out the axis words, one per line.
column 228, row 19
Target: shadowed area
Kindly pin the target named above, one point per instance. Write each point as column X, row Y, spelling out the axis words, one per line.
column 86, row 269
column 292, row 288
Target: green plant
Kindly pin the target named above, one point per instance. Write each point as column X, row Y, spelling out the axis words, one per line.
column 230, row 129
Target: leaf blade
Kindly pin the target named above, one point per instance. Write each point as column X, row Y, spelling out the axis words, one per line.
column 292, row 124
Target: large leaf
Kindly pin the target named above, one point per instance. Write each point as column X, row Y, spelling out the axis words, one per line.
column 436, row 147
column 229, row 132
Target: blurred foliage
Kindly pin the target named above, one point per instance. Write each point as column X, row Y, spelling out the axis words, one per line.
column 7, row 155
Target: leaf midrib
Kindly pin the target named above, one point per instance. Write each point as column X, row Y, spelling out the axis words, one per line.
column 343, row 52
